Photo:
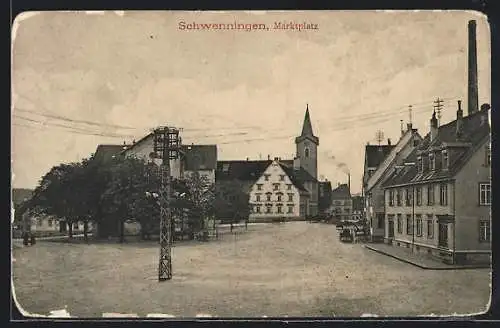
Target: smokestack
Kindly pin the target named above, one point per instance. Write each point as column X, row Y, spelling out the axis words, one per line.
column 473, row 104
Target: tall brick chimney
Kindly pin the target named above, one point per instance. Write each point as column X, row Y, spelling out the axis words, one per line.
column 473, row 103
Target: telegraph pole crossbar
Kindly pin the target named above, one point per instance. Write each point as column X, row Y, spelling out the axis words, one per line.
column 166, row 146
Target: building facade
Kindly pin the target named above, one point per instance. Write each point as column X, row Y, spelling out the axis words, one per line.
column 439, row 202
column 299, row 174
column 341, row 203
column 277, row 194
column 357, row 208
column 373, row 191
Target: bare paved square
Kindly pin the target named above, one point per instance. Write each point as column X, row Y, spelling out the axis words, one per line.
column 292, row 269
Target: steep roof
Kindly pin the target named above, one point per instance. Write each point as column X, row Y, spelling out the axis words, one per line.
column 474, row 132
column 298, row 177
column 307, row 131
column 241, row 170
column 375, row 154
column 341, row 192
column 106, row 152
column 199, row 157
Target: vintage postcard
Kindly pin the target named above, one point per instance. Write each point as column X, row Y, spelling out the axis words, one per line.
column 181, row 164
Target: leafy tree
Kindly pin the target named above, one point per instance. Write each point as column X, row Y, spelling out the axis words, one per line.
column 232, row 203
column 57, row 194
column 126, row 195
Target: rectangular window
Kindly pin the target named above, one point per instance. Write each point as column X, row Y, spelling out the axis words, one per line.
column 430, row 228
column 266, row 177
column 289, row 187
column 290, row 197
column 268, row 209
column 290, row 208
column 279, row 209
column 430, row 195
column 443, row 191
column 484, row 194
column 257, row 209
column 391, row 197
column 259, row 187
column 419, row 224
column 409, row 197
column 400, row 224
column 398, row 197
column 419, row 196
column 484, row 231
column 409, row 225
column 445, row 159
column 257, row 198
column 268, row 197
column 282, row 177
column 279, row 197
column 50, row 222
column 276, row 186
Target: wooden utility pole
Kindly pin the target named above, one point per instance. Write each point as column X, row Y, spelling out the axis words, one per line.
column 166, row 146
column 438, row 105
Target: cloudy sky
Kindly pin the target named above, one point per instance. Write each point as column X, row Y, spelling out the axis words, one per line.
column 82, row 79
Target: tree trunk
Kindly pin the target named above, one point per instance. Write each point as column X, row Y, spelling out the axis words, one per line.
column 246, row 224
column 70, row 229
column 122, row 231
column 85, row 231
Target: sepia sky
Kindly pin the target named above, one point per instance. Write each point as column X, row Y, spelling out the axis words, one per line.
column 245, row 91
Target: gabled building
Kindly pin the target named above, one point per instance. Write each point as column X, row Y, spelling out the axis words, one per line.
column 385, row 159
column 439, row 201
column 193, row 158
column 341, row 203
column 300, row 182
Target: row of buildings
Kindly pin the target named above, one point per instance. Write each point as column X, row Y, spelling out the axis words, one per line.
column 433, row 193
column 278, row 188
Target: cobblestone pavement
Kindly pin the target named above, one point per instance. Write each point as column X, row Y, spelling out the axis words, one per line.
column 292, row 269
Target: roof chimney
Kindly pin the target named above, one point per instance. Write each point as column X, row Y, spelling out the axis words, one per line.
column 268, row 157
column 402, row 130
column 389, row 141
column 472, row 83
column 484, row 113
column 247, row 159
column 434, row 126
column 349, row 182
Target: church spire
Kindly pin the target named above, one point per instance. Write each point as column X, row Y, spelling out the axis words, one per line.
column 307, row 126
column 307, row 131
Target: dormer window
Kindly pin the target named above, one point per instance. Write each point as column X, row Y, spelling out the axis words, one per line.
column 445, row 159
column 432, row 161
column 266, row 177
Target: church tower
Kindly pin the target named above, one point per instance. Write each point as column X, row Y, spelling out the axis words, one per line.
column 307, row 147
